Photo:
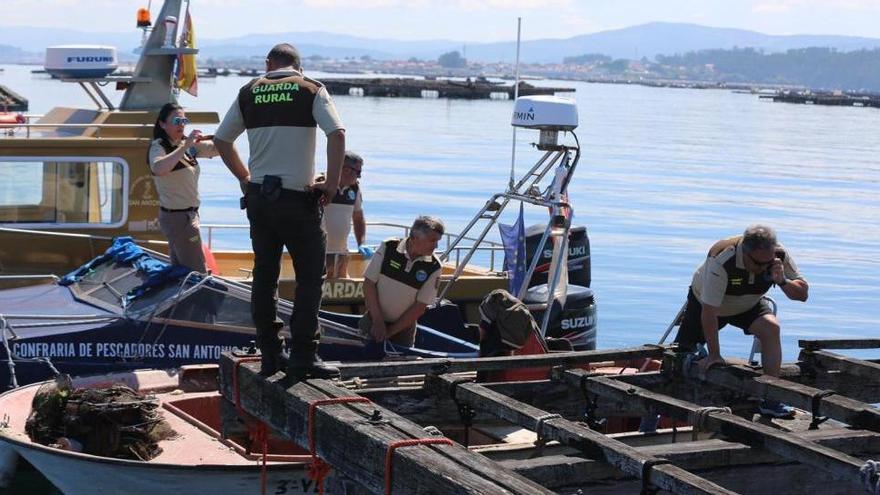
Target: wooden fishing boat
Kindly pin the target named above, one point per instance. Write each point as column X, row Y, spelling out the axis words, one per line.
column 196, row 460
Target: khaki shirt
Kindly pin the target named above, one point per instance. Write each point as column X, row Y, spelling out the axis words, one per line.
column 710, row 281
column 396, row 297
column 285, row 151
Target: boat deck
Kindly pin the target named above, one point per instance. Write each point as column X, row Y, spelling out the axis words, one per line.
column 713, row 441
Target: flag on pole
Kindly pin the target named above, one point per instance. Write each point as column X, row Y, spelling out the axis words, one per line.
column 513, row 237
column 187, row 73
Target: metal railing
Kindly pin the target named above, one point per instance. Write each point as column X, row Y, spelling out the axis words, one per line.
column 28, row 126
column 490, row 246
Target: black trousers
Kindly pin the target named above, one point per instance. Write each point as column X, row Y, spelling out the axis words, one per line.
column 690, row 332
column 292, row 221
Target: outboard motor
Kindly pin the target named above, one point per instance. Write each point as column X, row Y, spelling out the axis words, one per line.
column 579, row 268
column 575, row 322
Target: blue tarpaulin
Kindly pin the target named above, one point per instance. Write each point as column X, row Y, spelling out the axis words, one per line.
column 124, row 250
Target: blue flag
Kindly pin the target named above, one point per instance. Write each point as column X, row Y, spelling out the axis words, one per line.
column 513, row 237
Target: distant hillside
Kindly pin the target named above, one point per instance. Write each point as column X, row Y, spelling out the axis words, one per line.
column 816, row 68
column 14, row 54
column 647, row 40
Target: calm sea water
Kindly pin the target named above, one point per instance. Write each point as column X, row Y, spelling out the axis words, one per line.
column 664, row 173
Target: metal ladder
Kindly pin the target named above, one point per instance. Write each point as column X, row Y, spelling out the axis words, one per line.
column 526, row 190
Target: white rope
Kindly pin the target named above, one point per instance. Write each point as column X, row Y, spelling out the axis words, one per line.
column 870, row 476
column 11, row 358
column 700, row 416
column 539, row 428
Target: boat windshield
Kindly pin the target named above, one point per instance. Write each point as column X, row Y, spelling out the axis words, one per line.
column 115, row 286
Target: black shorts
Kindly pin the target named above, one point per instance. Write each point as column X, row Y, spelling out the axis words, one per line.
column 690, row 332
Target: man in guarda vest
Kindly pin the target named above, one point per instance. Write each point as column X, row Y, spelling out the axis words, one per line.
column 400, row 282
column 729, row 287
column 343, row 212
column 280, row 112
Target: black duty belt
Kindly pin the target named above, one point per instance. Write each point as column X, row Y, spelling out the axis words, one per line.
column 169, row 210
column 254, row 188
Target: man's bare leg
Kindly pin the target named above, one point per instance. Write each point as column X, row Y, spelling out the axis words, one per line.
column 766, row 328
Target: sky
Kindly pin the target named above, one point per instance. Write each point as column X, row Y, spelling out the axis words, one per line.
column 465, row 20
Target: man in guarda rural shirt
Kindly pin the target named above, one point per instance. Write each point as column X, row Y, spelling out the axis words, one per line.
column 280, row 112
column 729, row 287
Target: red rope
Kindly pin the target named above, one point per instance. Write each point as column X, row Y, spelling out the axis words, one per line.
column 407, row 443
column 260, row 434
column 318, row 469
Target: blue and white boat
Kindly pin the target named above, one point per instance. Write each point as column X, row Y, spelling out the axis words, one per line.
column 129, row 309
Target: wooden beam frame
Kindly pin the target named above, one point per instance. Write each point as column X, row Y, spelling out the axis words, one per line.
column 838, row 407
column 812, row 345
column 552, row 427
column 865, row 370
column 444, row 365
column 368, row 430
column 839, row 466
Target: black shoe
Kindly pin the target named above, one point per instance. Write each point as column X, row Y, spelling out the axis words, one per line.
column 270, row 364
column 312, row 367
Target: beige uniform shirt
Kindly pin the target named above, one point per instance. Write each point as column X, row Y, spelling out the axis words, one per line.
column 396, row 297
column 710, row 281
column 284, row 151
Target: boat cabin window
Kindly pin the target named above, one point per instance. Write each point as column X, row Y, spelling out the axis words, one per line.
column 212, row 303
column 46, row 191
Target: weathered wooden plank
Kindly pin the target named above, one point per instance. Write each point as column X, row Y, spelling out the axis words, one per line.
column 838, row 465
column 568, row 474
column 620, row 455
column 842, row 383
column 556, row 471
column 368, row 430
column 443, row 365
column 751, row 382
column 839, row 344
column 866, row 370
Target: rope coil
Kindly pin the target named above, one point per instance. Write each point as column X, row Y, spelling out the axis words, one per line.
column 869, row 474
column 539, row 429
column 389, row 455
column 700, row 416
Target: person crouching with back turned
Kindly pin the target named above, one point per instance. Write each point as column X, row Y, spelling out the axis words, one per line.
column 400, row 282
column 172, row 160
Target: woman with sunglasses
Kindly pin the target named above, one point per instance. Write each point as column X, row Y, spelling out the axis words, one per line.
column 172, row 159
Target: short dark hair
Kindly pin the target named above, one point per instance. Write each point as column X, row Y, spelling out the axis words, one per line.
column 758, row 237
column 284, row 55
column 425, row 224
column 166, row 110
column 351, row 158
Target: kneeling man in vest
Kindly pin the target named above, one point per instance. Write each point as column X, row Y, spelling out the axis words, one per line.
column 729, row 287
column 400, row 282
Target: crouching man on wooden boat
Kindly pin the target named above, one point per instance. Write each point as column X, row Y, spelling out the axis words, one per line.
column 400, row 282
column 173, row 161
column 729, row 286
column 280, row 112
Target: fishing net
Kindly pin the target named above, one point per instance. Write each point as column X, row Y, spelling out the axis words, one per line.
column 111, row 422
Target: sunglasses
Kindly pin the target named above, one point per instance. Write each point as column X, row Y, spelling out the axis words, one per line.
column 357, row 171
column 761, row 264
column 179, row 121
